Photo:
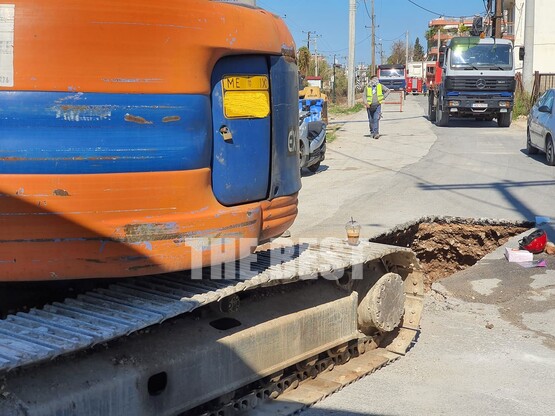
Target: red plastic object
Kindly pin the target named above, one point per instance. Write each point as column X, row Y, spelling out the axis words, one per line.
column 534, row 242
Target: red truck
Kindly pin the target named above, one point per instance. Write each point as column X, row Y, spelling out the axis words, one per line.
column 415, row 78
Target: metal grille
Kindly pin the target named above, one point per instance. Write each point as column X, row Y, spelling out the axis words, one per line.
column 480, row 84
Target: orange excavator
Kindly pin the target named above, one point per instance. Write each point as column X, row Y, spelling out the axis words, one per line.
column 150, row 155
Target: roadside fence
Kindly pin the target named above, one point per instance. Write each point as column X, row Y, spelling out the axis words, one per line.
column 395, row 98
column 542, row 82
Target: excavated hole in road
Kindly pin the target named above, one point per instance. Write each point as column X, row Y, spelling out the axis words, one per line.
column 447, row 245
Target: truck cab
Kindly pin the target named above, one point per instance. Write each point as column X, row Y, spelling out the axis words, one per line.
column 477, row 79
column 393, row 76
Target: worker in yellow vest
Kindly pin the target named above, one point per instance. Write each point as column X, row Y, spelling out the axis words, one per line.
column 376, row 93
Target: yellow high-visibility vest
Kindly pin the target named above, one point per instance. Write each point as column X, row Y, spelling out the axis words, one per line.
column 369, row 94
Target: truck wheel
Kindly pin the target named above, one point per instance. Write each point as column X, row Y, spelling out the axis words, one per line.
column 431, row 109
column 442, row 117
column 504, row 119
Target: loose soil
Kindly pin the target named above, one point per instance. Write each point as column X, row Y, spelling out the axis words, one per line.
column 447, row 245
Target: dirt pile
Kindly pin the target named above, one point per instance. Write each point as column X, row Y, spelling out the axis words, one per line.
column 447, row 245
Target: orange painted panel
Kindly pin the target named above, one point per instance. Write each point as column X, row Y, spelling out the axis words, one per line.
column 75, row 226
column 128, row 224
column 134, row 46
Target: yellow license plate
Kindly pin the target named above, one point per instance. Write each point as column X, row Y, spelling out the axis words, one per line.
column 246, row 96
column 246, row 83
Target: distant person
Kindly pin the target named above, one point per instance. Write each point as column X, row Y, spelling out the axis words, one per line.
column 376, row 93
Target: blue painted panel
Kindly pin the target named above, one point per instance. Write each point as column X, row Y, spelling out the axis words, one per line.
column 286, row 177
column 68, row 133
column 241, row 166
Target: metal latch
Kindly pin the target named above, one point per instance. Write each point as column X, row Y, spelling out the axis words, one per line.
column 226, row 133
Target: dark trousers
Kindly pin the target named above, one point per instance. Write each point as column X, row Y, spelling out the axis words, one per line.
column 374, row 119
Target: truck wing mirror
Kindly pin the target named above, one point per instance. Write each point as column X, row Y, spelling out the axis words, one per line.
column 442, row 53
column 521, row 53
column 544, row 109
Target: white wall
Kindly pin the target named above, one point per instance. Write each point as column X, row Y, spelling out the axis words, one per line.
column 544, row 34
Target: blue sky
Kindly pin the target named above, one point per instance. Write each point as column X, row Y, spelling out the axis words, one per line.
column 330, row 20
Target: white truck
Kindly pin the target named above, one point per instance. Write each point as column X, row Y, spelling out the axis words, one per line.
column 415, row 77
column 416, row 69
column 474, row 77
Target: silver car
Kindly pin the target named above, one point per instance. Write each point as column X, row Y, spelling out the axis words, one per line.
column 541, row 127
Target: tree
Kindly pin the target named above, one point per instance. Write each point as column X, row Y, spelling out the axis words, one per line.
column 324, row 68
column 418, row 51
column 429, row 35
column 463, row 29
column 341, row 82
column 304, row 60
column 398, row 53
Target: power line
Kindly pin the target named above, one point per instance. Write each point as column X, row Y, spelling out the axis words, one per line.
column 432, row 12
column 394, row 39
column 356, row 44
column 367, row 12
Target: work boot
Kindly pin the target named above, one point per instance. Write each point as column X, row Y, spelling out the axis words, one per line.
column 377, row 136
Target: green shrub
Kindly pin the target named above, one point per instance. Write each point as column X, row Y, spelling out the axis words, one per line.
column 522, row 104
column 331, row 133
column 341, row 109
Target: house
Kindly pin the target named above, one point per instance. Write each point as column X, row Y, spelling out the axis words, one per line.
column 544, row 32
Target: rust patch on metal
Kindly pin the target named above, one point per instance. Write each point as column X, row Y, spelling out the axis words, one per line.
column 171, row 119
column 136, row 119
column 60, row 192
column 70, row 112
column 143, row 233
column 136, row 233
column 147, row 266
column 11, row 159
column 97, row 261
column 75, row 158
column 75, row 107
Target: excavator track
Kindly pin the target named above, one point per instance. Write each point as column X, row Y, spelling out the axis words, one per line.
column 305, row 386
column 327, row 301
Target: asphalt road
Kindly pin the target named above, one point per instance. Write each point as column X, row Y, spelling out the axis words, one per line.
column 487, row 345
column 469, row 169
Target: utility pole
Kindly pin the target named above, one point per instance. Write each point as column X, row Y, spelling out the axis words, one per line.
column 351, row 69
column 373, row 42
column 333, row 83
column 498, row 19
column 528, row 64
column 308, row 38
column 407, row 50
column 316, row 55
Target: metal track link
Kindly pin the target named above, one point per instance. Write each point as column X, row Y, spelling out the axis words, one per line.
column 297, row 391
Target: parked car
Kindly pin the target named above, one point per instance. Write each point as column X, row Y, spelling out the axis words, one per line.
column 541, row 127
